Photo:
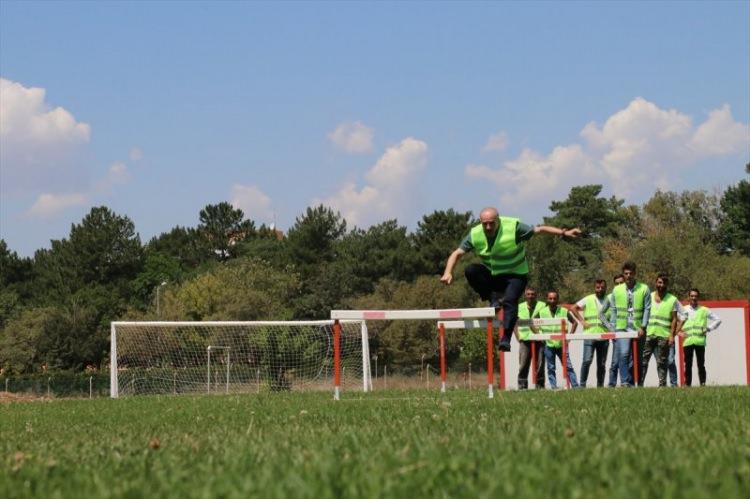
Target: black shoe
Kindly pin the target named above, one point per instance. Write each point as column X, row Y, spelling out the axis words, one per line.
column 504, row 345
column 496, row 302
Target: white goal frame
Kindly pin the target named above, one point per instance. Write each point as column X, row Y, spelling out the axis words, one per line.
column 113, row 371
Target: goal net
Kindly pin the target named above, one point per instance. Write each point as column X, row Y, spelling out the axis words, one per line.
column 235, row 357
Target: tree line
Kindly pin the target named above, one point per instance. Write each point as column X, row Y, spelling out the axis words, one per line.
column 56, row 307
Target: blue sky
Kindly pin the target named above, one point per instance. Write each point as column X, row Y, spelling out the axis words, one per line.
column 381, row 110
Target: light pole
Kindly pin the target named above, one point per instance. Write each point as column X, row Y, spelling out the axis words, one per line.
column 158, row 301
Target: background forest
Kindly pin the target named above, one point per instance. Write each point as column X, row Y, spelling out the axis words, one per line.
column 56, row 308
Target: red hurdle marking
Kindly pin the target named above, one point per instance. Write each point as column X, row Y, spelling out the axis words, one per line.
column 373, row 315
column 450, row 314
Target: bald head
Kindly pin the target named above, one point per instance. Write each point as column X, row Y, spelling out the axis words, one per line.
column 488, row 218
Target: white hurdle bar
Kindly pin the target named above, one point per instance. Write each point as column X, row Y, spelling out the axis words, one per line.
column 395, row 315
column 487, row 313
column 561, row 336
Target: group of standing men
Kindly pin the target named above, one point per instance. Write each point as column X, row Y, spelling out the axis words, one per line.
column 657, row 317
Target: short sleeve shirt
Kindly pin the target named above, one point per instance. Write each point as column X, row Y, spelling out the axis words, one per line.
column 523, row 233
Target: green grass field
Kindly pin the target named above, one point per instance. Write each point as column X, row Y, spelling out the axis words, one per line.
column 594, row 443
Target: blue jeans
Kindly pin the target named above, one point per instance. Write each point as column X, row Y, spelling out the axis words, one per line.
column 589, row 347
column 614, row 365
column 672, row 367
column 549, row 354
column 625, row 360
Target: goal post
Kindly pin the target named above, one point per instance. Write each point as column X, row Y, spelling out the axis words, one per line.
column 160, row 357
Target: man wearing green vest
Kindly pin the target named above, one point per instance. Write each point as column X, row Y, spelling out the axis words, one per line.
column 553, row 348
column 526, row 310
column 591, row 306
column 501, row 278
column 697, row 321
column 630, row 305
column 662, row 323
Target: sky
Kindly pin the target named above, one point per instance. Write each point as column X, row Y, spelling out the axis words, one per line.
column 379, row 110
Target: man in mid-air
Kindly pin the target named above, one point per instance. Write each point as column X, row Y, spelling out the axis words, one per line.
column 502, row 276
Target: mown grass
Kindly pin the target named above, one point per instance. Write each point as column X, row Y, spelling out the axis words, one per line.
column 593, row 443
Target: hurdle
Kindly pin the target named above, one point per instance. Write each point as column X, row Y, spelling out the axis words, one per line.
column 487, row 313
column 563, row 336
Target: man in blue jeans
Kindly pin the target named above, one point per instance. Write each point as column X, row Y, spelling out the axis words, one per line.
column 553, row 348
column 629, row 307
column 592, row 322
column 500, row 242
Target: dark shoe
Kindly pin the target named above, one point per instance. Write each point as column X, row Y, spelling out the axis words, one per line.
column 504, row 345
column 496, row 302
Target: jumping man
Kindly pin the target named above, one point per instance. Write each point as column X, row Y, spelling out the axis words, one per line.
column 502, row 276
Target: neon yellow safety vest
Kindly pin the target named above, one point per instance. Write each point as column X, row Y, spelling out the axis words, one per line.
column 523, row 313
column 696, row 328
column 620, row 294
column 660, row 319
column 546, row 313
column 591, row 315
column 505, row 256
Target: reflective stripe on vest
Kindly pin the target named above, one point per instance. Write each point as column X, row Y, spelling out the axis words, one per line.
column 660, row 319
column 546, row 313
column 591, row 315
column 505, row 256
column 620, row 293
column 696, row 328
column 523, row 313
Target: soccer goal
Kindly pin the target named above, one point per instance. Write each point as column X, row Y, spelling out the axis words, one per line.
column 237, row 357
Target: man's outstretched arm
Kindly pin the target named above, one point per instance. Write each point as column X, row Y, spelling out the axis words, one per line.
column 447, row 277
column 556, row 231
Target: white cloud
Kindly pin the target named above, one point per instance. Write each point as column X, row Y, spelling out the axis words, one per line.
column 389, row 182
column 496, row 142
column 637, row 148
column 720, row 135
column 354, row 138
column 38, row 142
column 118, row 174
column 253, row 202
column 136, row 154
column 49, row 205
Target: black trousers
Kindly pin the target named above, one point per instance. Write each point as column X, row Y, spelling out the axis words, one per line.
column 508, row 287
column 700, row 353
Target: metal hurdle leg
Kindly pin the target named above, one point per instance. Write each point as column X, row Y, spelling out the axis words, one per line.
column 441, row 331
column 564, row 361
column 682, row 360
column 501, row 354
column 635, row 362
